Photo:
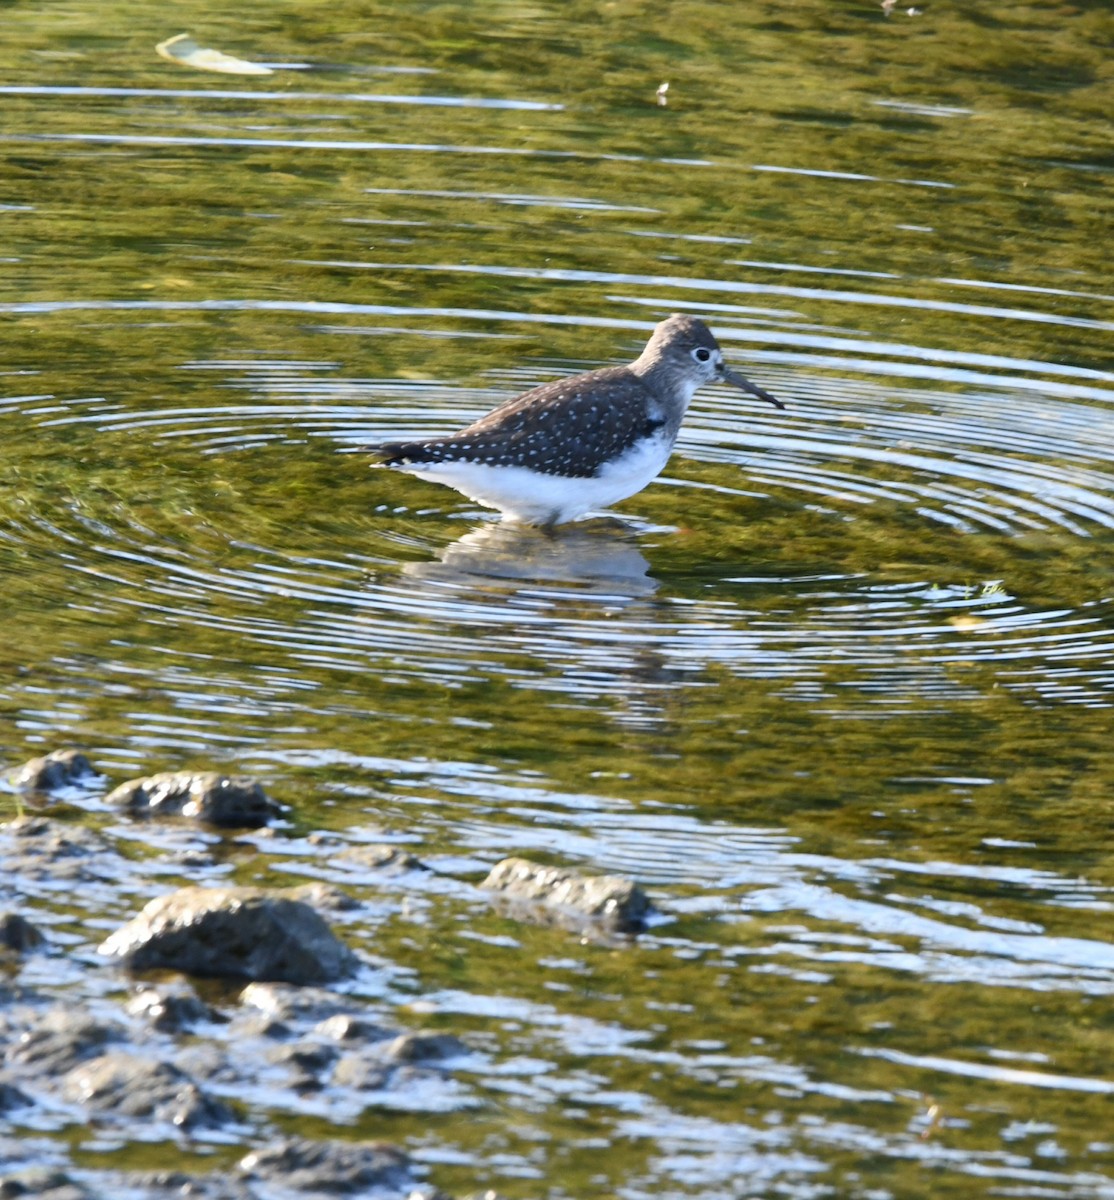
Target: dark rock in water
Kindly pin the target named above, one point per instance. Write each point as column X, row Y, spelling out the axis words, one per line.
column 390, row 859
column 174, row 1185
column 549, row 894
column 274, row 1010
column 362, row 1073
column 242, row 933
column 61, row 1039
column 420, row 1047
column 192, row 859
column 39, row 848
column 228, row 801
column 305, row 1064
column 172, row 1008
column 52, row 839
column 330, row 1168
column 397, row 1057
column 42, row 1183
column 11, row 1098
column 129, row 1086
column 345, row 1028
column 324, row 896
column 296, row 1005
column 18, row 934
column 303, row 1006
column 50, row 772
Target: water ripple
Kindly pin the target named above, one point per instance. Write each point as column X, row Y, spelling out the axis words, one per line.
column 279, row 97
column 504, row 602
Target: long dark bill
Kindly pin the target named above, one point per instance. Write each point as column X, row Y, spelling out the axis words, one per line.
column 753, row 388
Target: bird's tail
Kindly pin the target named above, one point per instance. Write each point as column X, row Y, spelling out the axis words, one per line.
column 401, row 454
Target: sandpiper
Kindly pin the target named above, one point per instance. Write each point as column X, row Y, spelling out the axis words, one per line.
column 582, row 443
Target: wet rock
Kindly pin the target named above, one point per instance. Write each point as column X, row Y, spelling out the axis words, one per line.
column 52, row 772
column 394, row 1059
column 192, row 859
column 330, row 1168
column 176, row 1185
column 420, row 1047
column 57, row 837
column 305, row 1062
column 35, row 847
column 324, row 896
column 344, row 1027
column 18, row 934
column 42, row 1183
column 242, row 933
column 271, row 1010
column 218, row 1065
column 259, row 1025
column 58, row 1040
column 171, row 1009
column 11, row 1098
column 275, row 1010
column 361, row 1073
column 550, row 894
column 281, row 1002
column 385, row 858
column 207, row 796
column 129, row 1086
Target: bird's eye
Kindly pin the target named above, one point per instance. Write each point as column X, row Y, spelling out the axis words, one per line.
column 702, row 354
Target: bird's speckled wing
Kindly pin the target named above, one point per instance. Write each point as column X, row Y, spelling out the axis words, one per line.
column 569, row 427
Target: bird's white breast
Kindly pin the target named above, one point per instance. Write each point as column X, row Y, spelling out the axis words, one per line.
column 541, row 499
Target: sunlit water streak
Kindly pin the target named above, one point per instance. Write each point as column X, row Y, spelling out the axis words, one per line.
column 331, row 98
column 328, row 145
column 683, row 283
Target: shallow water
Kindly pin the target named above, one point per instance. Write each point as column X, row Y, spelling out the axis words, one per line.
column 836, row 689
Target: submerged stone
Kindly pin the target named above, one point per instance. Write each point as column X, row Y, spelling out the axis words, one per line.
column 40, row 848
column 278, row 1001
column 52, row 839
column 175, row 1185
column 50, row 772
column 324, row 896
column 351, row 1028
column 17, row 934
column 362, row 1073
column 238, row 932
column 58, row 1040
column 330, row 1168
column 231, row 801
column 172, row 1008
column 420, row 1047
column 381, row 857
column 130, row 1086
column 550, row 893
column 11, row 1098
column 42, row 1183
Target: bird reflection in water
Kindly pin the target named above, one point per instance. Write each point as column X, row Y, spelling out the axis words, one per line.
column 595, row 557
